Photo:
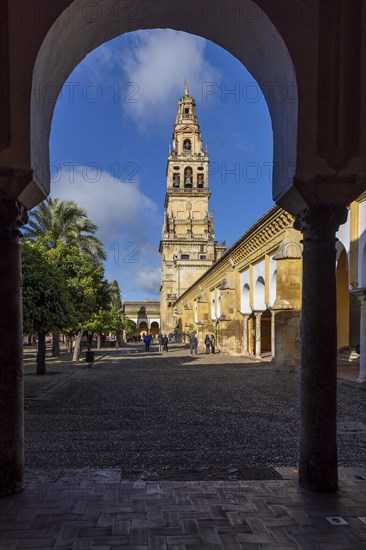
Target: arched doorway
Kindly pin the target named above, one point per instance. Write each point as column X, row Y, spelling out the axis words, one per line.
column 72, row 35
column 154, row 329
column 266, row 341
column 343, row 300
column 82, row 32
column 142, row 329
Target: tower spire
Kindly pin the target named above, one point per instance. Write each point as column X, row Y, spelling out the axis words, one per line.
column 186, row 91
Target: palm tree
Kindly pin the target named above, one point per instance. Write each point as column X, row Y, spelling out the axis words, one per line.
column 55, row 220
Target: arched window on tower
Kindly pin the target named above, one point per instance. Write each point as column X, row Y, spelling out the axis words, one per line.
column 200, row 181
column 187, row 146
column 188, row 177
column 176, row 179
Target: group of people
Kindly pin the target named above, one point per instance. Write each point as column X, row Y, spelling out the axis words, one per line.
column 209, row 344
column 193, row 343
column 163, row 342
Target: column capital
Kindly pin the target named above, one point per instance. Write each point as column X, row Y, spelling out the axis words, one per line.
column 12, row 216
column 360, row 293
column 319, row 224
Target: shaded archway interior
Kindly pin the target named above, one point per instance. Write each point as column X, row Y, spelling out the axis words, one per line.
column 70, row 39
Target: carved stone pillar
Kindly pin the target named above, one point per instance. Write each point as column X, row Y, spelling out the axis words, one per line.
column 318, row 385
column 273, row 334
column 245, row 335
column 12, row 217
column 258, row 335
column 361, row 295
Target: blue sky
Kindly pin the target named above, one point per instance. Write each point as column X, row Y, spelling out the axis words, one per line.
column 109, row 144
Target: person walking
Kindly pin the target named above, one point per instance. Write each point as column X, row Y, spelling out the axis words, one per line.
column 212, row 344
column 161, row 342
column 147, row 342
column 165, row 342
column 207, row 344
column 193, row 343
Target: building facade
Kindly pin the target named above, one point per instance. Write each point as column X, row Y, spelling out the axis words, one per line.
column 250, row 299
column 188, row 247
column 146, row 315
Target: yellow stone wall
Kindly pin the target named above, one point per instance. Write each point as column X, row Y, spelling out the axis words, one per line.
column 271, row 241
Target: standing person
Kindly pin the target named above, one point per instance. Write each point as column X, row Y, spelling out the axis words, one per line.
column 161, row 342
column 165, row 342
column 147, row 341
column 207, row 344
column 212, row 344
column 193, row 343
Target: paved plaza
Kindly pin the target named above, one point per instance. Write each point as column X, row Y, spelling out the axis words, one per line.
column 176, row 416
column 174, row 452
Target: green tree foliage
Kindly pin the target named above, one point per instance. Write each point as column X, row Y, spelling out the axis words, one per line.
column 86, row 284
column 130, row 327
column 47, row 302
column 55, row 221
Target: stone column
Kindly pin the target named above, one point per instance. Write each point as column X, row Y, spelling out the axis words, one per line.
column 258, row 335
column 361, row 295
column 245, row 335
column 318, row 381
column 273, row 334
column 12, row 217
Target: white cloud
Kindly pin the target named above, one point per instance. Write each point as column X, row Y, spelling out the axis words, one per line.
column 128, row 224
column 118, row 208
column 157, row 64
column 149, row 279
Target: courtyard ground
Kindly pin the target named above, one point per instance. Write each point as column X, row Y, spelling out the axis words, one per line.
column 176, row 416
column 179, row 441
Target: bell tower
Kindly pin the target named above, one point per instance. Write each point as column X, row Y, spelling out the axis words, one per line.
column 188, row 247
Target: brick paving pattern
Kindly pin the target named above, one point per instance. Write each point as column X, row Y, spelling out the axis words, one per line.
column 96, row 512
column 184, row 446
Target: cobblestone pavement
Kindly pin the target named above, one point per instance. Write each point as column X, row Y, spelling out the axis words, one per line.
column 176, row 416
column 92, row 510
column 150, row 417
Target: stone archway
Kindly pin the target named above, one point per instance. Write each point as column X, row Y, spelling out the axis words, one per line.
column 318, row 166
column 142, row 328
column 266, row 338
column 154, row 329
column 77, row 31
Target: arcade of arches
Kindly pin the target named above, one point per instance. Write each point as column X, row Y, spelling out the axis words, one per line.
column 250, row 299
column 146, row 315
column 313, row 56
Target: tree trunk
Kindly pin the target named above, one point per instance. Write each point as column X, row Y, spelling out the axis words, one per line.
column 56, row 344
column 90, row 341
column 29, row 340
column 120, row 339
column 99, row 340
column 41, row 353
column 76, row 354
column 69, row 341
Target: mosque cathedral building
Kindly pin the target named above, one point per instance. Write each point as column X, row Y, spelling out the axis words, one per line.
column 247, row 297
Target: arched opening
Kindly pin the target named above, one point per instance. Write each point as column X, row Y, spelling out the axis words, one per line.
column 188, row 177
column 187, row 146
column 245, row 299
column 272, row 288
column 176, row 179
column 266, row 343
column 71, row 38
column 343, row 300
column 154, row 329
column 259, row 302
column 142, row 328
